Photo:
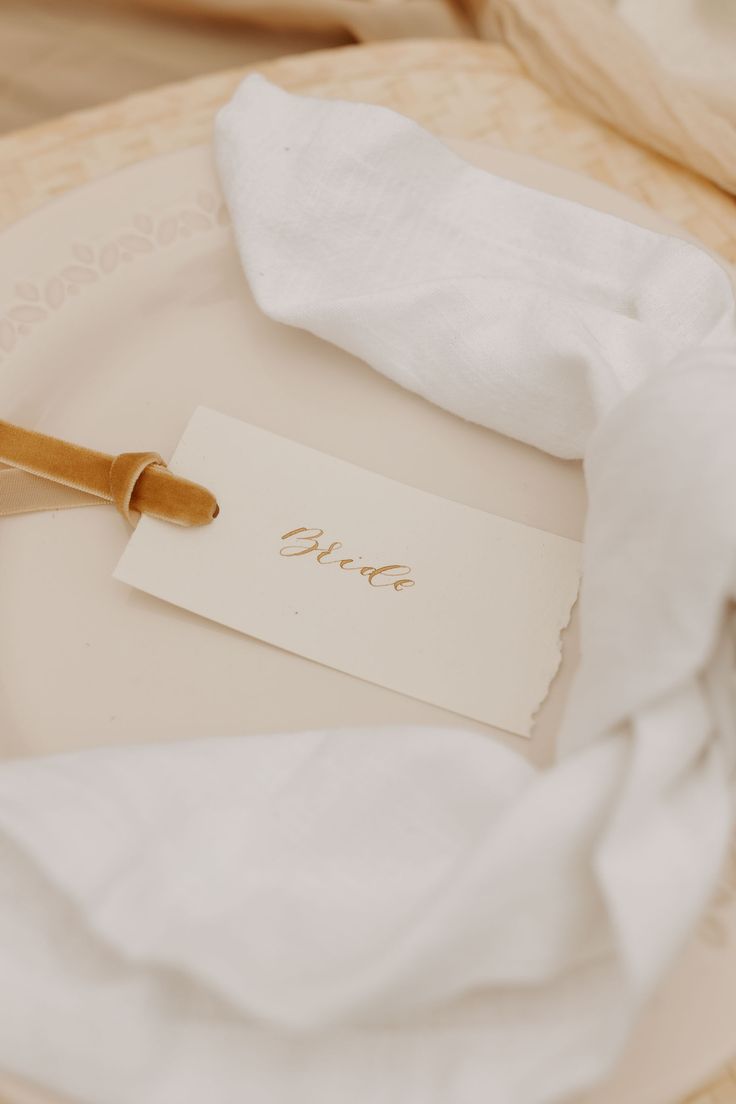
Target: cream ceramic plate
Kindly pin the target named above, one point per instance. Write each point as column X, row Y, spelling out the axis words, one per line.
column 124, row 307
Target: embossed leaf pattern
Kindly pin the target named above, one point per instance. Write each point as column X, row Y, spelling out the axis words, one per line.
column 55, row 292
column 166, row 231
column 83, row 253
column 135, row 243
column 27, row 291
column 27, row 313
column 145, row 233
column 79, row 274
column 7, row 335
column 193, row 220
column 109, row 257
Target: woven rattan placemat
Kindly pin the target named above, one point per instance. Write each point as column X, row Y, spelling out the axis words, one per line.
column 456, row 88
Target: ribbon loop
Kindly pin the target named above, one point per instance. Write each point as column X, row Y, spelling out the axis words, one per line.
column 125, row 471
column 39, row 472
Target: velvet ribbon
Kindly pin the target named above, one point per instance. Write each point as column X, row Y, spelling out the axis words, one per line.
column 38, row 472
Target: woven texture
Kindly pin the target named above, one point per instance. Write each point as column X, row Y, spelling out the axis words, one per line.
column 458, row 89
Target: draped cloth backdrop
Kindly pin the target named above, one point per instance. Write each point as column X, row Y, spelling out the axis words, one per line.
column 660, row 74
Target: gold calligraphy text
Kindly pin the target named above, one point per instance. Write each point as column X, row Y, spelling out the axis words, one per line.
column 303, row 542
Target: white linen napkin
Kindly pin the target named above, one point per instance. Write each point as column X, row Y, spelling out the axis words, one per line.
column 419, row 915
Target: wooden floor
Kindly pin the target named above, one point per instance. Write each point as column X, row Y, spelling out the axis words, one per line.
column 62, row 55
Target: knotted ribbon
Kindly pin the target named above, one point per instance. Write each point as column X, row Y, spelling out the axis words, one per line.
column 44, row 473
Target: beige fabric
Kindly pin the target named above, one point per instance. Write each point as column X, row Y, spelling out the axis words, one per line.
column 363, row 19
column 581, row 50
column 58, row 56
column 695, row 40
column 664, row 75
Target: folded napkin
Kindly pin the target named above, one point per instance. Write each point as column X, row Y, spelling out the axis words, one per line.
column 417, row 914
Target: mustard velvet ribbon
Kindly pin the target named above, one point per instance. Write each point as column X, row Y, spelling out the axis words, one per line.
column 38, row 472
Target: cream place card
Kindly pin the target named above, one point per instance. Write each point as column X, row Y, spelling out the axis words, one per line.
column 436, row 600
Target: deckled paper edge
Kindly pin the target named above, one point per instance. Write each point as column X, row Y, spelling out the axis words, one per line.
column 557, row 660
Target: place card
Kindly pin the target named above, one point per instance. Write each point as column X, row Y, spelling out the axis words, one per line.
column 428, row 597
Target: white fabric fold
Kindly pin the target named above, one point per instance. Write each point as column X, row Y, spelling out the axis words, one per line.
column 418, row 914
column 516, row 309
